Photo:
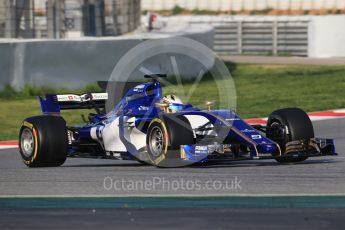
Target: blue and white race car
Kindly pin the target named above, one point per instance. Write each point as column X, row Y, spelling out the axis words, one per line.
column 160, row 130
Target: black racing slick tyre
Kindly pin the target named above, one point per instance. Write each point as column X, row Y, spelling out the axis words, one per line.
column 296, row 126
column 165, row 135
column 43, row 141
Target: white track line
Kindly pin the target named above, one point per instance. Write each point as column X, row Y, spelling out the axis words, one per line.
column 8, row 146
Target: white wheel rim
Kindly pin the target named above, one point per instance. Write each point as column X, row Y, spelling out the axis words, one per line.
column 27, row 142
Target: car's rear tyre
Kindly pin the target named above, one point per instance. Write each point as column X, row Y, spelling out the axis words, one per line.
column 165, row 135
column 43, row 141
column 297, row 125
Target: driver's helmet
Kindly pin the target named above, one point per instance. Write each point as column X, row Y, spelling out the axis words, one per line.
column 174, row 102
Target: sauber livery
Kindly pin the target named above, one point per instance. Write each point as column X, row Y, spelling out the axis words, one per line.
column 160, row 130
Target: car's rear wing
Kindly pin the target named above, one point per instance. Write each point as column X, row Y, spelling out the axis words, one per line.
column 54, row 103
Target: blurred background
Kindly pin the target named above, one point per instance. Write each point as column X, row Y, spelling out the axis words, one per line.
column 307, row 28
column 68, row 18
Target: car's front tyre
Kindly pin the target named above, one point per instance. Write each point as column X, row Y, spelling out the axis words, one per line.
column 296, row 125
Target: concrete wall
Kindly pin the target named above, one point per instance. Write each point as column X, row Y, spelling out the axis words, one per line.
column 75, row 63
column 327, row 37
column 62, row 63
column 238, row 5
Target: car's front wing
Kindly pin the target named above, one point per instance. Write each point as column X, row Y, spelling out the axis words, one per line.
column 295, row 149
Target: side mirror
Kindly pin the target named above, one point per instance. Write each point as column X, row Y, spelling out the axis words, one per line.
column 163, row 106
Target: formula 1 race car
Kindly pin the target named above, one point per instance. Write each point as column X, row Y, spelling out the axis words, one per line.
column 160, row 130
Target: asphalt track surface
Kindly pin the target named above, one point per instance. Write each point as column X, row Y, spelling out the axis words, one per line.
column 239, row 186
column 189, row 218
